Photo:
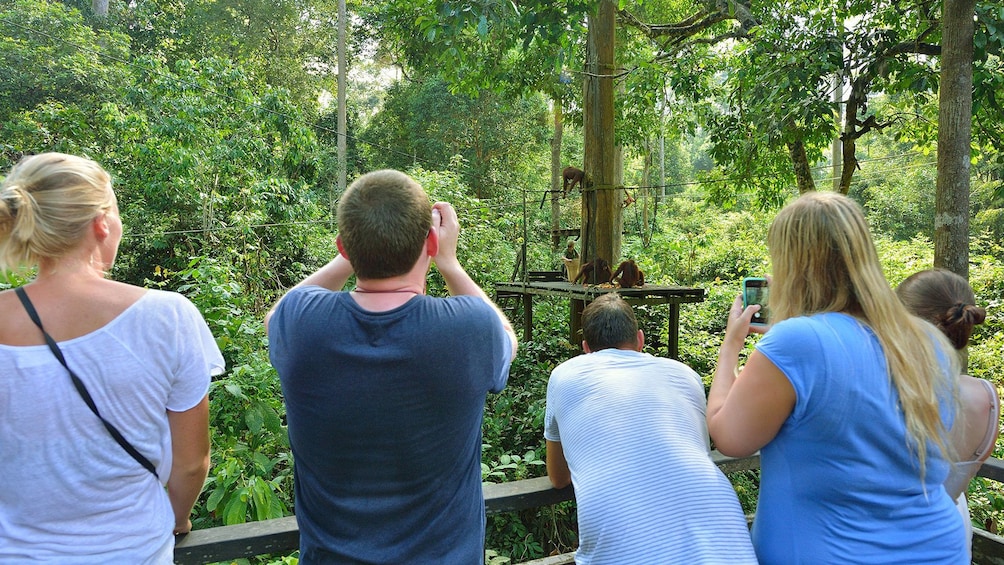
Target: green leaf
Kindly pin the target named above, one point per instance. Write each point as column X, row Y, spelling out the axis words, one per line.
column 214, row 499
column 254, row 418
column 237, row 508
column 235, row 390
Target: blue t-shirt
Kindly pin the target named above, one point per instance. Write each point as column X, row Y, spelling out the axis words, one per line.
column 840, row 483
column 384, row 412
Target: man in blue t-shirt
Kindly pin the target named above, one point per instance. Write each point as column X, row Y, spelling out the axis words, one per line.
column 385, row 386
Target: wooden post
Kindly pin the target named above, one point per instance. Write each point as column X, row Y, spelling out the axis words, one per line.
column 556, row 239
column 575, row 308
column 600, row 205
column 673, row 346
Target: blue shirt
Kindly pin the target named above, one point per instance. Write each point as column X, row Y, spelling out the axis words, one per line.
column 839, row 482
column 384, row 412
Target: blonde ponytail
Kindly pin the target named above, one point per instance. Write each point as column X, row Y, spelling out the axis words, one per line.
column 46, row 203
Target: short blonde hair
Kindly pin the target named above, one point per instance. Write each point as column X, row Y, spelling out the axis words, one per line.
column 46, row 204
column 824, row 260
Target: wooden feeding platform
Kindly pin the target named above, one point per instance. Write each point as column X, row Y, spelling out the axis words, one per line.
column 578, row 295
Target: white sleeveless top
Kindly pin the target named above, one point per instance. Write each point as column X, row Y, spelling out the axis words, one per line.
column 964, row 470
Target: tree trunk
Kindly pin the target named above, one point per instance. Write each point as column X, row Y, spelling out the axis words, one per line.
column 600, row 207
column 556, row 174
column 617, row 213
column 835, row 150
column 955, row 121
column 803, row 173
column 646, row 182
column 100, row 8
column 342, row 119
column 856, row 99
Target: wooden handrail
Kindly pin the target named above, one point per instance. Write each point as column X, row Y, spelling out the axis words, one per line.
column 281, row 535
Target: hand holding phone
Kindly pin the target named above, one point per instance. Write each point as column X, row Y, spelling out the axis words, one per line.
column 755, row 292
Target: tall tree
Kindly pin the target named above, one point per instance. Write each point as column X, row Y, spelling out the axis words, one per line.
column 51, row 54
column 421, row 122
column 955, row 107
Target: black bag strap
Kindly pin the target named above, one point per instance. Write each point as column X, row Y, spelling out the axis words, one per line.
column 79, row 385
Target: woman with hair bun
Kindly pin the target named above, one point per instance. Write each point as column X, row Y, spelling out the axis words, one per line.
column 847, row 397
column 946, row 300
column 85, row 358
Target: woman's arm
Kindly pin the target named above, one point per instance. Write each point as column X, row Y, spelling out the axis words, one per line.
column 190, row 449
column 746, row 409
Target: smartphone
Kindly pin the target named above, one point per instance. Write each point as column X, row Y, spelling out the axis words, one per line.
column 755, row 292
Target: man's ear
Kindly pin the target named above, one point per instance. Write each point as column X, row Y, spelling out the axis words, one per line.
column 641, row 340
column 432, row 242
column 585, row 347
column 341, row 247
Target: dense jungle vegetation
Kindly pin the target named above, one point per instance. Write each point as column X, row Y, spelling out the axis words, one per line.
column 215, row 119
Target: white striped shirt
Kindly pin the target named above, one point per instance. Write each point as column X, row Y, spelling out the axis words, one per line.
column 633, row 432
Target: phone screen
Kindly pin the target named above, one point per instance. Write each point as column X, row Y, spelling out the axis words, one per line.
column 755, row 292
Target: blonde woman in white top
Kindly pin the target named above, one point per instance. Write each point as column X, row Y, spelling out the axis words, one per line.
column 72, row 493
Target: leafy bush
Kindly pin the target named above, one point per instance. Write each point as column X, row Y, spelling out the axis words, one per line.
column 251, row 470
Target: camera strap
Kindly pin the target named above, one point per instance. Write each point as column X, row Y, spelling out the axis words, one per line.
column 79, row 385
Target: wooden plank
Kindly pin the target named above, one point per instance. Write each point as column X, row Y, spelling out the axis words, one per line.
column 564, row 289
column 545, row 276
column 992, row 468
column 563, row 559
column 224, row 543
column 988, row 549
column 579, row 295
column 521, row 495
column 735, row 464
column 281, row 536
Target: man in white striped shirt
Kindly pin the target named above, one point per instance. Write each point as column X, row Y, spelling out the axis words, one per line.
column 627, row 429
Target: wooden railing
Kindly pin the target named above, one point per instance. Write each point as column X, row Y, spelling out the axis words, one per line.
column 281, row 536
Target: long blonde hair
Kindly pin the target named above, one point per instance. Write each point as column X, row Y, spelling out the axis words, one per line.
column 46, row 204
column 824, row 260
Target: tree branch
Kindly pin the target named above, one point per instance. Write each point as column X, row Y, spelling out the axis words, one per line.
column 914, row 47
column 714, row 12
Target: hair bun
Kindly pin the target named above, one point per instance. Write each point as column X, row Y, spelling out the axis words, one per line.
column 20, row 204
column 10, row 200
column 972, row 314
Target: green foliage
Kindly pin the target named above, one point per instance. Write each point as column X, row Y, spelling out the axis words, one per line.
column 202, row 161
column 251, row 473
column 514, row 442
column 484, row 248
column 901, row 205
column 497, row 46
column 279, row 43
column 688, row 244
column 422, row 122
column 203, row 112
column 52, row 55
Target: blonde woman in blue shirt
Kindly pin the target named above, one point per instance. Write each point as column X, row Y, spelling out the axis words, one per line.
column 847, row 397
